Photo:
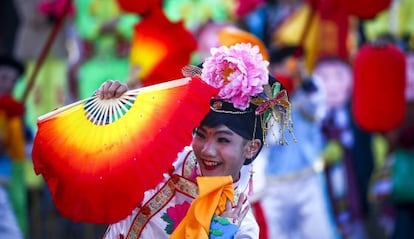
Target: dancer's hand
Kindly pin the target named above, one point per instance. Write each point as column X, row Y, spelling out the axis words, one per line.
column 236, row 213
column 111, row 89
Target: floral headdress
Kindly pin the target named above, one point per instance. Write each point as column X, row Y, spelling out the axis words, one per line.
column 242, row 76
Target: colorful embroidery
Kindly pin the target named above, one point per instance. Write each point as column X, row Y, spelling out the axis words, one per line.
column 222, row 228
column 190, row 169
column 174, row 216
column 160, row 199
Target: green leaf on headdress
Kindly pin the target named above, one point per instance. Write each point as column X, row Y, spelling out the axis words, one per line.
column 275, row 89
column 267, row 115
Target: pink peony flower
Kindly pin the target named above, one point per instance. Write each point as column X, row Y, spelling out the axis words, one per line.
column 239, row 71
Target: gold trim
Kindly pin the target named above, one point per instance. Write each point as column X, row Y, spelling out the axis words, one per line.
column 176, row 183
column 230, row 112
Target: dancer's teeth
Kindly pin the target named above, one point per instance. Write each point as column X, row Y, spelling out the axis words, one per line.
column 211, row 163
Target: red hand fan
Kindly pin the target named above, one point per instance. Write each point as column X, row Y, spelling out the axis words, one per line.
column 98, row 157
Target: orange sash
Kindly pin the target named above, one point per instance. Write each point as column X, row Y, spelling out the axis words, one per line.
column 213, row 195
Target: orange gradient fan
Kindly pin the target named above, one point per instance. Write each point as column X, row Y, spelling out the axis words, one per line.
column 98, row 157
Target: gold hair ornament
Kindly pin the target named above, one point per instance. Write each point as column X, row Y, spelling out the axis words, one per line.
column 273, row 103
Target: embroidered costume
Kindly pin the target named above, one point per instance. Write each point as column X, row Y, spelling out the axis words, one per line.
column 182, row 203
column 164, row 207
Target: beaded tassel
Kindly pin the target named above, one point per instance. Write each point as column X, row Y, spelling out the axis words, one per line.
column 251, row 181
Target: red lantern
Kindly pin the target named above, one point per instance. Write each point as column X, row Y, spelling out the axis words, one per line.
column 378, row 103
column 365, row 9
column 138, row 7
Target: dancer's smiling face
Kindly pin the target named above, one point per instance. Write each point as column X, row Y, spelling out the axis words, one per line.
column 220, row 151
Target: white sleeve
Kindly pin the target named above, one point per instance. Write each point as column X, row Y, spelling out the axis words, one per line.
column 249, row 229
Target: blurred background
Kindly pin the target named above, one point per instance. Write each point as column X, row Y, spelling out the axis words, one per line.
column 347, row 65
